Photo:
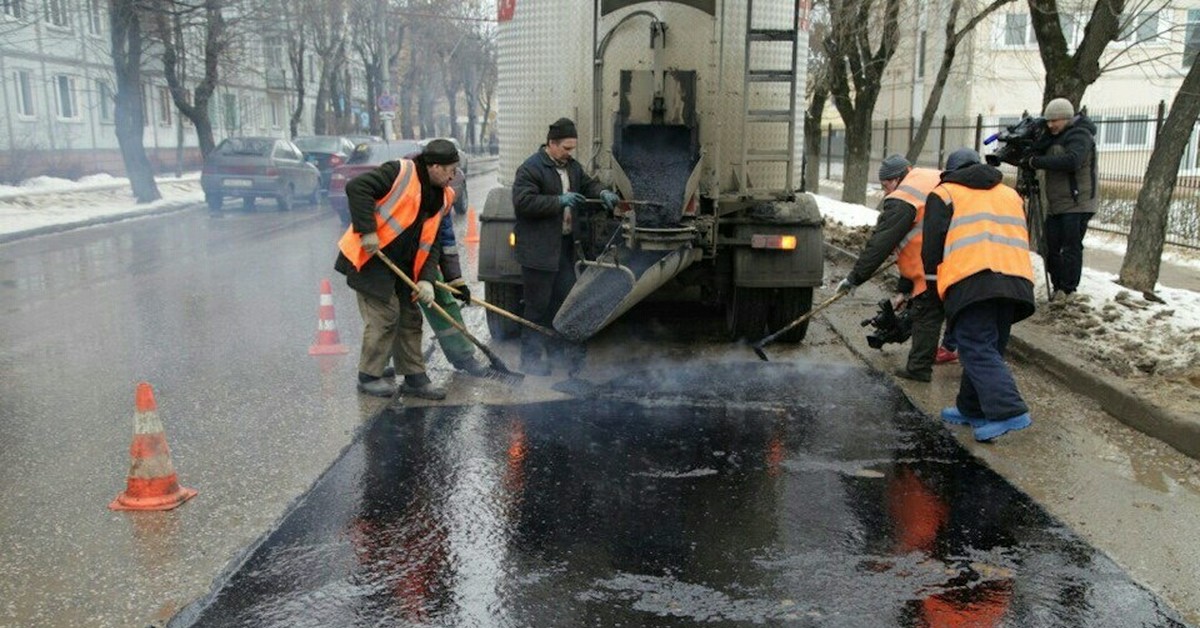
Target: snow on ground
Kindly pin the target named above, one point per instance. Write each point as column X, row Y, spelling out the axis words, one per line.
column 46, row 201
column 1114, row 326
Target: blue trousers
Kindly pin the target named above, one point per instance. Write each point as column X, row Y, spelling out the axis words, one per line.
column 987, row 388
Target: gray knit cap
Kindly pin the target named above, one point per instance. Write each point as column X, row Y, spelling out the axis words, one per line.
column 893, row 167
column 1059, row 109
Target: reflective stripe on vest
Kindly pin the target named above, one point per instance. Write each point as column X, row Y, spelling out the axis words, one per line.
column 394, row 213
column 987, row 232
column 914, row 189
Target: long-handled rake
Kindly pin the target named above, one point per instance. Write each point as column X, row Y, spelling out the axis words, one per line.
column 499, row 371
column 758, row 346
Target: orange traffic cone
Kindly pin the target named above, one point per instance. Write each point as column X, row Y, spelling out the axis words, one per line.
column 328, row 342
column 152, row 483
column 472, row 236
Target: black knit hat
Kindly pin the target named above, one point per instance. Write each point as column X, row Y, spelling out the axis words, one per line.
column 439, row 152
column 561, row 130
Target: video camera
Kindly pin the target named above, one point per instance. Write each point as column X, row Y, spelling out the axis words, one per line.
column 1017, row 141
column 888, row 325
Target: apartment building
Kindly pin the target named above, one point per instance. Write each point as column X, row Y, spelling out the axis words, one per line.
column 57, row 87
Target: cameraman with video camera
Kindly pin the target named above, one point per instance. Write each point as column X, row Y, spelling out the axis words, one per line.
column 899, row 229
column 1067, row 155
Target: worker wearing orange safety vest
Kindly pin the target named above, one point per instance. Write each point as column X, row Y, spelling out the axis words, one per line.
column 899, row 229
column 396, row 208
column 976, row 255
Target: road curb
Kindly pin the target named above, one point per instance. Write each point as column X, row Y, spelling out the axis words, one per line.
column 1116, row 397
column 166, row 208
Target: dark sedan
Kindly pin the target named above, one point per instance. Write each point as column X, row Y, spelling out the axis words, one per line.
column 258, row 167
column 364, row 158
column 326, row 152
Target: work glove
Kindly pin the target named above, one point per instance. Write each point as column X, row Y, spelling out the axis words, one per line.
column 900, row 300
column 464, row 293
column 1027, row 163
column 425, row 292
column 571, row 199
column 370, row 242
column 610, row 199
column 846, row 287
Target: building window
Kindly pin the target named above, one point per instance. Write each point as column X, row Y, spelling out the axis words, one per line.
column 1018, row 30
column 1112, row 130
column 95, row 16
column 68, row 106
column 164, row 106
column 231, row 111
column 106, row 101
column 56, row 13
column 921, row 43
column 1191, row 41
column 1140, row 28
column 23, row 93
column 273, row 52
column 1137, row 132
column 12, row 8
column 276, row 112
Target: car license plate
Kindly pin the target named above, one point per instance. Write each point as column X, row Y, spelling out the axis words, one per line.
column 238, row 183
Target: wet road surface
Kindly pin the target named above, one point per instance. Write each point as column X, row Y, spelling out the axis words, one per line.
column 732, row 494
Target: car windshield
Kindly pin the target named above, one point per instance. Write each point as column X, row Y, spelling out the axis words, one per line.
column 246, row 146
column 319, row 144
column 381, row 152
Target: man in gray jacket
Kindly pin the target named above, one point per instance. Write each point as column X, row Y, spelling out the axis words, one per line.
column 1067, row 154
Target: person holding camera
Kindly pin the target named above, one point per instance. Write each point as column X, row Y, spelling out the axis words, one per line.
column 1066, row 153
column 549, row 189
column 976, row 258
column 899, row 229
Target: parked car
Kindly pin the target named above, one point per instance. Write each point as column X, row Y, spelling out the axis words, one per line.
column 258, row 167
column 459, row 183
column 363, row 139
column 326, row 152
column 362, row 159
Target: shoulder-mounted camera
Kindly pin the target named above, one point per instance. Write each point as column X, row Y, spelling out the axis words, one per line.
column 888, row 326
column 1017, row 140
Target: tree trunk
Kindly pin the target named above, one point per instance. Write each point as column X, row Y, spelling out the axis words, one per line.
column 129, row 118
column 452, row 111
column 322, row 102
column 297, row 59
column 1148, row 233
column 858, row 159
column 812, row 139
column 1068, row 74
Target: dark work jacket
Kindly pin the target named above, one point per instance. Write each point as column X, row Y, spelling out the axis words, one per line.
column 535, row 192
column 375, row 278
column 1069, row 162
column 982, row 285
column 895, row 221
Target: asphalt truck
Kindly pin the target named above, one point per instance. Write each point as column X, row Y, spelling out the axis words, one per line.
column 692, row 111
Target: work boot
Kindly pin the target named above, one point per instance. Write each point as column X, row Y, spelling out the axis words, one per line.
column 535, row 366
column 378, row 387
column 945, row 356
column 418, row 385
column 916, row 377
column 472, row 366
column 953, row 416
column 994, row 429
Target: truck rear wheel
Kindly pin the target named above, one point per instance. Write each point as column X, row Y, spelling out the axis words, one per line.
column 746, row 313
column 506, row 296
column 790, row 304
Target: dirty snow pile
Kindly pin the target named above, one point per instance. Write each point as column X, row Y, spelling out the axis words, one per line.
column 1119, row 329
column 45, row 201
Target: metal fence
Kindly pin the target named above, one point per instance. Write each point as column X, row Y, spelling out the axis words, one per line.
column 1124, row 141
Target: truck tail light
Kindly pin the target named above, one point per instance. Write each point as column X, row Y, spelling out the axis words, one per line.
column 781, row 242
column 512, row 239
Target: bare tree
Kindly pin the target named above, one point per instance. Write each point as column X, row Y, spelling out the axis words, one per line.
column 1147, row 235
column 816, row 97
column 174, row 19
column 855, row 73
column 329, row 45
column 125, row 22
column 1069, row 74
column 949, row 50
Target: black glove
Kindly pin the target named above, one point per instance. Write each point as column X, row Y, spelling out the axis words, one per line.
column 464, row 293
column 1027, row 163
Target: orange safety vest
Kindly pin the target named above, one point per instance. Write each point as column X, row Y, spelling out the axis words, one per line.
column 394, row 213
column 987, row 232
column 914, row 189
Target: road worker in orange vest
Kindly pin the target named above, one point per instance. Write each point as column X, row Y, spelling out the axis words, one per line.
column 976, row 255
column 396, row 208
column 899, row 230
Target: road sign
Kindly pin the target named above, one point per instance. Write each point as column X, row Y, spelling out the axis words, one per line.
column 386, row 102
column 387, row 115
